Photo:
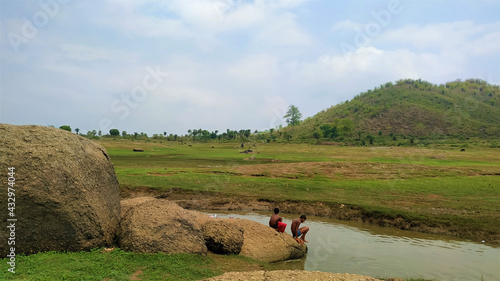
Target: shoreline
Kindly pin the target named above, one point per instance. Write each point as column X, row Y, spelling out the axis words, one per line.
column 210, row 201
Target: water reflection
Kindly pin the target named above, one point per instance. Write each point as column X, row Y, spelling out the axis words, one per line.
column 350, row 247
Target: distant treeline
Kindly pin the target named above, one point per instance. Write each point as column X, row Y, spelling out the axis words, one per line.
column 407, row 112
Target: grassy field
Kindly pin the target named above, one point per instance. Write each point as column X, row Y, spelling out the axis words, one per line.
column 442, row 186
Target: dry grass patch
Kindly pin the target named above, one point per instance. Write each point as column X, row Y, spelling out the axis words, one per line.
column 351, row 170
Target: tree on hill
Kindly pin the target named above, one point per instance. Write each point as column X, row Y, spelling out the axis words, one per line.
column 458, row 109
column 293, row 115
column 65, row 127
column 329, row 131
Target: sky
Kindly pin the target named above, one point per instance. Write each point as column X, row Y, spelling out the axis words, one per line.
column 168, row 66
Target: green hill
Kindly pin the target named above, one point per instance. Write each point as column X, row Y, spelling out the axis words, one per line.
column 408, row 109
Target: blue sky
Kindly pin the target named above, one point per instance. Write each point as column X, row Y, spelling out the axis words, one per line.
column 155, row 66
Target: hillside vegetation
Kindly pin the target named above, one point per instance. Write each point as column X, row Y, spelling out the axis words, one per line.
column 408, row 109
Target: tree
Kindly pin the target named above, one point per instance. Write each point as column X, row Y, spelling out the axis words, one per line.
column 370, row 138
column 293, row 115
column 65, row 127
column 329, row 131
column 345, row 126
column 287, row 136
column 114, row 132
column 213, row 135
column 77, row 131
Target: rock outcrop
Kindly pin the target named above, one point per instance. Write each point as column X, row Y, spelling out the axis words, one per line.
column 66, row 191
column 157, row 225
column 150, row 225
column 222, row 236
column 263, row 243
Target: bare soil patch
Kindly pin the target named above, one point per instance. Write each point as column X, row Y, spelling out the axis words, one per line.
column 136, row 274
column 290, row 275
column 350, row 170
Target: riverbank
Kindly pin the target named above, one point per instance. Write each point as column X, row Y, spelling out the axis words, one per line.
column 438, row 190
column 217, row 201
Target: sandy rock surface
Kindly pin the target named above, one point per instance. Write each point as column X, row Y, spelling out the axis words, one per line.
column 66, row 192
column 286, row 275
column 128, row 204
column 266, row 244
column 222, row 236
column 156, row 225
column 152, row 225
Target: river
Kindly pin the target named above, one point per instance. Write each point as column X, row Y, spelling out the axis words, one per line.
column 356, row 248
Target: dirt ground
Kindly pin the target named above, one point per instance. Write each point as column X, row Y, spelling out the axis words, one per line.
column 353, row 171
column 279, row 275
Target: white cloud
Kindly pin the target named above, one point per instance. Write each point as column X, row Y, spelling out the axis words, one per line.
column 88, row 53
column 278, row 4
column 486, row 44
column 401, row 63
column 284, row 31
column 275, row 107
column 271, row 21
column 347, row 25
column 254, row 69
column 450, row 35
column 245, row 16
column 128, row 16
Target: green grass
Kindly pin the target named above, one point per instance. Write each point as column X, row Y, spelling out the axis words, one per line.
column 120, row 265
column 439, row 186
column 114, row 265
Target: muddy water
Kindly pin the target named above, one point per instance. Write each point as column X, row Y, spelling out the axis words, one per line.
column 347, row 247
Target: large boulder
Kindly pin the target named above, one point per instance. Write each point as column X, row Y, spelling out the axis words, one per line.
column 66, row 191
column 222, row 236
column 129, row 204
column 251, row 239
column 150, row 225
column 264, row 243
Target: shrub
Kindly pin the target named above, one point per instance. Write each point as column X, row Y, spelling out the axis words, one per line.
column 65, row 127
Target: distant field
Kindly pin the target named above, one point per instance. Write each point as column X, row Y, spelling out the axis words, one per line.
column 445, row 186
